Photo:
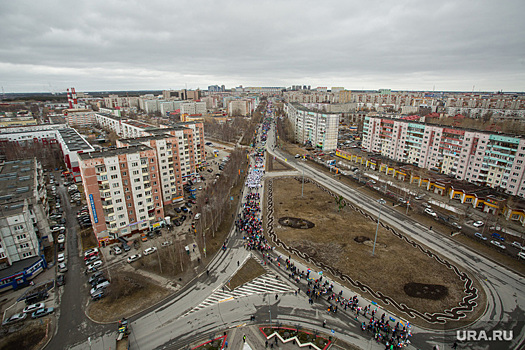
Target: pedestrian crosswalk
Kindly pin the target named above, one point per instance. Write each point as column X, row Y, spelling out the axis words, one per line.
column 263, row 284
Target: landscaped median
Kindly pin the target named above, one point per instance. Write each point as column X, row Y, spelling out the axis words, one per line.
column 297, row 336
column 403, row 275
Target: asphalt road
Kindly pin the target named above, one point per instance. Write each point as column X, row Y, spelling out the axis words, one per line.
column 73, row 325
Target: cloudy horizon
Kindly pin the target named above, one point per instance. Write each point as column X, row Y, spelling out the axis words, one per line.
column 134, row 45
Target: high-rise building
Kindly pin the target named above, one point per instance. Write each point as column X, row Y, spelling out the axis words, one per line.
column 123, row 190
column 483, row 158
column 312, row 127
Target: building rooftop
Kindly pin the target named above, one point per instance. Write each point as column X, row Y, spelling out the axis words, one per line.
column 139, row 124
column 111, row 152
column 17, row 182
column 18, row 266
column 73, row 141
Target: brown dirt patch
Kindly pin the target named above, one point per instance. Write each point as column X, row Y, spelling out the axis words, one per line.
column 426, row 291
column 29, row 336
column 296, row 223
column 249, row 271
column 127, row 294
column 332, row 242
column 88, row 238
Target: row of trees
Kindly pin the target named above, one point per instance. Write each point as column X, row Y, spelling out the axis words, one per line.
column 50, row 156
column 216, row 201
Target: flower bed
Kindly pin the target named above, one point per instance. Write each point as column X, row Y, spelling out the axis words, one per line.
column 214, row 344
column 303, row 338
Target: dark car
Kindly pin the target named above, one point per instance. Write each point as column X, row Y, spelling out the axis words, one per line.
column 36, row 297
column 95, row 276
column 125, row 247
column 177, row 210
column 188, row 205
column 61, row 247
column 184, row 209
column 176, row 222
column 61, row 280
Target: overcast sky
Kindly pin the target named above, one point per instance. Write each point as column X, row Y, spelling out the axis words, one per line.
column 134, row 45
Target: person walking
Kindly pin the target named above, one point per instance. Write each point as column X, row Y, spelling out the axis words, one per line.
column 244, row 338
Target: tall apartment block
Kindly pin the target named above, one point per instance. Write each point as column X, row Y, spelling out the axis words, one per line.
column 180, row 151
column 320, row 129
column 123, row 190
column 24, row 229
column 483, row 158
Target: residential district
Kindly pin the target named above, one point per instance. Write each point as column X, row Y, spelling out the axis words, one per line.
column 119, row 206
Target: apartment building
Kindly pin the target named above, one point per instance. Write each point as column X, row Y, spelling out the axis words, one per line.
column 114, row 101
column 193, row 108
column 79, row 117
column 490, row 159
column 123, row 190
column 173, row 160
column 313, row 127
column 239, row 107
column 24, row 229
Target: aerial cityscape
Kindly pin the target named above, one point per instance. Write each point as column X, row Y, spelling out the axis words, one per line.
column 246, row 175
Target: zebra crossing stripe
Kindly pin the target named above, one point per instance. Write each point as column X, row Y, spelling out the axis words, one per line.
column 260, row 285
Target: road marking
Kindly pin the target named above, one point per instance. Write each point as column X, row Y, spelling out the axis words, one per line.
column 261, row 285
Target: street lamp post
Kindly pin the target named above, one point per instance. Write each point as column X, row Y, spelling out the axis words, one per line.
column 381, row 202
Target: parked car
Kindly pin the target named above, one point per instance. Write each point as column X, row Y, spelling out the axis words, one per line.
column 42, row 312
column 61, row 280
column 99, row 295
column 197, row 216
column 61, row 247
column 61, row 257
column 33, row 307
column 521, row 255
column 518, row 245
column 62, row 267
column 480, row 236
column 91, row 259
column 177, row 210
column 167, row 243
column 125, row 247
column 498, row 244
column 95, row 265
column 478, row 223
column 36, row 297
column 149, row 251
column 15, row 318
column 89, row 251
column 134, row 258
column 94, row 276
column 99, row 286
column 61, row 238
column 116, row 250
column 498, row 236
column 184, row 209
column 430, row 212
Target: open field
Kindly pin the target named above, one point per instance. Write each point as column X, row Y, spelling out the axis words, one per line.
column 127, row 294
column 343, row 240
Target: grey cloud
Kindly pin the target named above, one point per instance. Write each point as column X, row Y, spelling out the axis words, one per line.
column 161, row 44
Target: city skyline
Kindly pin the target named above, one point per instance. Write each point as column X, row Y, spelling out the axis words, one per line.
column 409, row 45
